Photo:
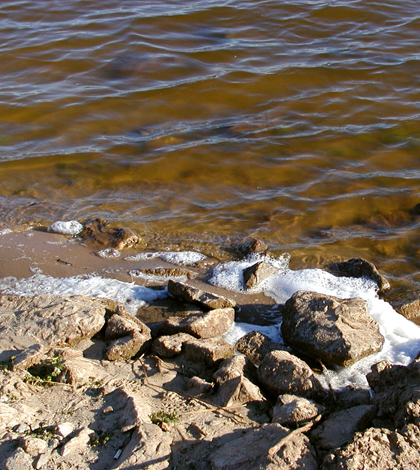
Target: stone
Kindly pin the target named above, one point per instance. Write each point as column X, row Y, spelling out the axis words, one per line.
column 408, row 308
column 170, row 346
column 296, row 411
column 238, row 390
column 78, row 370
column 249, row 450
column 378, row 449
column 283, row 373
column 201, row 325
column 359, row 267
column 252, row 246
column 98, row 232
column 48, row 320
column 15, row 414
column 339, row 428
column 123, row 349
column 164, row 273
column 19, row 460
column 197, row 386
column 149, row 447
column 65, row 429
column 236, row 366
column 256, row 346
column 33, row 445
column 122, row 323
column 337, row 331
column 211, row 351
column 77, row 444
column 258, row 272
column 206, row 300
column 32, row 355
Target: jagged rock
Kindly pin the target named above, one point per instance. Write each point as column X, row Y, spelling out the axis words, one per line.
column 207, row 300
column 211, row 351
column 236, row 366
column 295, row 411
column 338, row 331
column 33, row 445
column 378, row 449
column 359, row 267
column 65, row 429
column 149, row 447
column 123, row 349
column 170, row 346
column 282, row 373
column 256, row 346
column 238, row 390
column 256, row 273
column 339, row 427
column 249, row 450
column 98, row 232
column 409, row 308
column 48, row 320
column 198, row 386
column 201, row 325
column 19, row 460
column 397, row 391
column 252, row 246
column 78, row 443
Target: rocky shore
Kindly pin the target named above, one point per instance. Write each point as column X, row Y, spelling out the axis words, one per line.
column 85, row 384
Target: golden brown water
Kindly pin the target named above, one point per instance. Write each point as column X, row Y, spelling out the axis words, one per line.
column 295, row 122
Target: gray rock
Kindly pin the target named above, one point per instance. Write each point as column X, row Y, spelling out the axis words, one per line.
column 211, row 351
column 257, row 273
column 282, row 373
column 359, row 267
column 48, row 320
column 378, row 449
column 338, row 331
column 256, row 346
column 206, row 300
column 249, row 450
column 339, row 428
column 201, row 325
column 295, row 411
column 149, row 447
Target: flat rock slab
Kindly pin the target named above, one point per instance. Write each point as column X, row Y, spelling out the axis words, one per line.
column 48, row 320
column 337, row 331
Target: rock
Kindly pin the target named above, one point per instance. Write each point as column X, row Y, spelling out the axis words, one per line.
column 15, row 414
column 256, row 346
column 408, row 308
column 249, row 450
column 207, row 300
column 78, row 370
column 338, row 331
column 201, row 325
column 252, row 246
column 295, row 411
column 32, row 355
column 149, row 447
column 238, row 390
column 133, row 409
column 65, row 429
column 48, row 320
column 19, row 460
column 339, row 428
column 359, row 267
column 97, row 231
column 198, row 386
column 256, row 273
column 378, row 449
column 123, row 349
column 236, row 366
column 282, row 373
column 170, row 346
column 164, row 272
column 78, row 443
column 33, row 445
column 211, row 351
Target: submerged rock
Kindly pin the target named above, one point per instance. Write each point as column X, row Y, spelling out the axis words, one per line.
column 97, row 231
column 338, row 331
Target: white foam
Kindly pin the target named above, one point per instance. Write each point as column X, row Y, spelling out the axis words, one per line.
column 109, row 253
column 71, row 227
column 402, row 337
column 129, row 294
column 5, row 231
column 181, row 258
column 157, row 277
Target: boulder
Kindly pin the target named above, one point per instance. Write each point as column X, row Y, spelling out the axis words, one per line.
column 48, row 320
column 250, row 450
column 236, row 366
column 123, row 349
column 338, row 331
column 359, row 267
column 255, row 274
column 252, row 246
column 201, row 325
column 98, row 232
column 256, row 346
column 408, row 308
column 378, row 449
column 171, row 345
column 291, row 410
column 211, row 351
column 238, row 390
column 339, row 428
column 206, row 300
column 283, row 373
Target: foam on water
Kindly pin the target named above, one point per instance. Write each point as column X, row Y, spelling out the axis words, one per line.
column 129, row 294
column 71, row 227
column 402, row 337
column 182, row 258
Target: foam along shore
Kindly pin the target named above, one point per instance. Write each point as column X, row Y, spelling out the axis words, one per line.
column 37, row 252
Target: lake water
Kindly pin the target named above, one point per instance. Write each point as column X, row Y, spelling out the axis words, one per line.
column 198, row 123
